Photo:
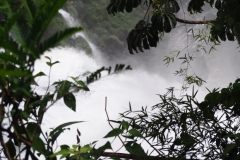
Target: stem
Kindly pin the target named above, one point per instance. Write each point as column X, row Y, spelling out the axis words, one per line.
column 147, row 11
column 129, row 156
column 194, row 22
column 6, row 151
column 109, row 119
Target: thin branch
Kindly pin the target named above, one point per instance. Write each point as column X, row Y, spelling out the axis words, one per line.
column 147, row 11
column 155, row 149
column 6, row 151
column 194, row 22
column 109, row 119
column 25, row 129
column 129, row 156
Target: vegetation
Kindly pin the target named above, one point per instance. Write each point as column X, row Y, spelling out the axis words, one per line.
column 183, row 128
column 176, row 128
column 108, row 33
column 160, row 17
column 22, row 110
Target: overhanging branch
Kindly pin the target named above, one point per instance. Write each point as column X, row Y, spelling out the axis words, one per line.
column 194, row 22
column 129, row 156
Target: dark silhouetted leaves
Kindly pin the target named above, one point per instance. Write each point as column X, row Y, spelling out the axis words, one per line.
column 58, row 130
column 195, row 6
column 11, row 148
column 119, row 5
column 39, row 145
column 135, row 132
column 114, row 132
column 70, row 101
column 143, row 36
column 135, row 149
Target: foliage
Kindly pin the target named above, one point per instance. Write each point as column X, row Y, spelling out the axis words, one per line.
column 22, row 110
column 163, row 19
column 175, row 128
column 102, row 28
column 57, row 24
column 185, row 128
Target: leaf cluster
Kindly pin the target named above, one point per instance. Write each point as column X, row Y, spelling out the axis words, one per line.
column 184, row 128
column 97, row 74
column 163, row 19
column 22, row 110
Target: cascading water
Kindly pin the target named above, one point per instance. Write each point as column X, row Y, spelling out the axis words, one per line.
column 149, row 77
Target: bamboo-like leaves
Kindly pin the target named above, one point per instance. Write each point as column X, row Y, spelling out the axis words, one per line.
column 97, row 74
column 42, row 18
column 56, row 38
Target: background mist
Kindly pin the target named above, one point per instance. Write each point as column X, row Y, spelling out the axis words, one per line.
column 149, row 77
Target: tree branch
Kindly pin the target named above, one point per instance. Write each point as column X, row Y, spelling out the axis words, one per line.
column 194, row 22
column 109, row 120
column 5, row 148
column 129, row 156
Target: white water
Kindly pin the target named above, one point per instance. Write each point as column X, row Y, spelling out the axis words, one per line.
column 139, row 86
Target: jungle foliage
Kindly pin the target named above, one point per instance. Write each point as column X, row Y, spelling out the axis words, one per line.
column 22, row 110
column 162, row 19
column 176, row 128
column 107, row 32
column 182, row 128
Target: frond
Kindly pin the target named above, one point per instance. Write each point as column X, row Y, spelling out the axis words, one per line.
column 57, row 37
column 43, row 17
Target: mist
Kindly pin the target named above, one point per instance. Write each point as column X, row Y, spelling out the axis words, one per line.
column 140, row 86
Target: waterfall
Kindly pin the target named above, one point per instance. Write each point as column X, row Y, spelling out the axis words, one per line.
column 74, row 23
column 149, row 77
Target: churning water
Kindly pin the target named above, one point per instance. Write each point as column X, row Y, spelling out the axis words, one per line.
column 139, row 86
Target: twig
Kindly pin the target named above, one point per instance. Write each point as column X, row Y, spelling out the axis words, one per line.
column 109, row 119
column 194, row 22
column 152, row 146
column 147, row 11
column 129, row 156
column 6, row 151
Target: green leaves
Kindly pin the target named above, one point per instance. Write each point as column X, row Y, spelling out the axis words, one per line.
column 80, row 84
column 119, row 5
column 50, row 63
column 57, row 37
column 11, row 148
column 38, row 145
column 70, row 101
column 42, row 18
column 135, row 133
column 58, row 130
column 183, row 126
column 135, row 149
column 113, row 133
column 66, row 88
column 228, row 148
column 74, row 151
column 62, row 88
